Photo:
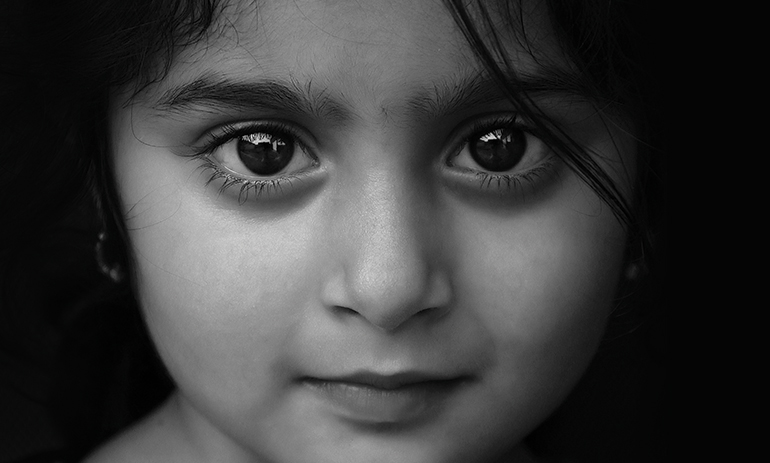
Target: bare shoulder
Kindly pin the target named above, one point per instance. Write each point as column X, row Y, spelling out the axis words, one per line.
column 118, row 450
column 150, row 440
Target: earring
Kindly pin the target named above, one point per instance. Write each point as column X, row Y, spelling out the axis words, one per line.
column 113, row 270
column 633, row 271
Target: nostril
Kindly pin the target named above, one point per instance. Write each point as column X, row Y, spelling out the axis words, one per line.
column 435, row 312
column 425, row 312
column 387, row 292
column 343, row 311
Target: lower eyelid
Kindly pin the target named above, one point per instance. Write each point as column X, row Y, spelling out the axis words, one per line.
column 246, row 178
column 246, row 187
column 531, row 179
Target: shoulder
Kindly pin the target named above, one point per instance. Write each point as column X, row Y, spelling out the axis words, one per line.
column 112, row 452
column 132, row 446
column 153, row 439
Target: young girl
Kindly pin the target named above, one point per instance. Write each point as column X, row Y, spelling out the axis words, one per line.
column 356, row 231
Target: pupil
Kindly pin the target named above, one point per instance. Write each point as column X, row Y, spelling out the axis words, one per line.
column 265, row 154
column 499, row 150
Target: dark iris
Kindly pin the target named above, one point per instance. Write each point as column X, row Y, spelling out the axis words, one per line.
column 264, row 153
column 499, row 150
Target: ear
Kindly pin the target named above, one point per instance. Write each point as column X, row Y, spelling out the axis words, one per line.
column 107, row 248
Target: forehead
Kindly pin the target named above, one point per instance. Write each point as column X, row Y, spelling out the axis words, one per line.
column 378, row 51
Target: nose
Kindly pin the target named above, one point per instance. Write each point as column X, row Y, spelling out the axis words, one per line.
column 389, row 264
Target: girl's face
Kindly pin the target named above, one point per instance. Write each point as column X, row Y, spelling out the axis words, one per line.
column 348, row 245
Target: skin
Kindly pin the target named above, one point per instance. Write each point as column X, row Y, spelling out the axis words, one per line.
column 381, row 257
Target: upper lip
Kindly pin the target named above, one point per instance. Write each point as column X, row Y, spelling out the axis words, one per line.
column 388, row 381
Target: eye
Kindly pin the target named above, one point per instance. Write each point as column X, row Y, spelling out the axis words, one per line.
column 261, row 153
column 258, row 159
column 264, row 153
column 499, row 150
column 502, row 146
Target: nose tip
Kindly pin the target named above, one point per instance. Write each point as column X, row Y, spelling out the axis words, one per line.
column 391, row 296
column 390, row 268
column 385, row 249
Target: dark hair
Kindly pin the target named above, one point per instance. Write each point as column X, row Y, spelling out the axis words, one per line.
column 61, row 62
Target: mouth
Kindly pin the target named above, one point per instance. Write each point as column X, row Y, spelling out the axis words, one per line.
column 372, row 398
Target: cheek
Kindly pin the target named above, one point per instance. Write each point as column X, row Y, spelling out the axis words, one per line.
column 221, row 294
column 207, row 282
column 542, row 281
column 222, row 313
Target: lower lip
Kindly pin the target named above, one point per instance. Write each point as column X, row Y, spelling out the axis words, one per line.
column 367, row 404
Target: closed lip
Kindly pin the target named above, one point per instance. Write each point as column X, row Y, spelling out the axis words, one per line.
column 376, row 398
column 388, row 381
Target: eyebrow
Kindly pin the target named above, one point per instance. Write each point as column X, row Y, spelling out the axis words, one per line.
column 445, row 97
column 227, row 94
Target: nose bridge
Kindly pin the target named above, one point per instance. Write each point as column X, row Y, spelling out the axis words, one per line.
column 389, row 244
column 388, row 270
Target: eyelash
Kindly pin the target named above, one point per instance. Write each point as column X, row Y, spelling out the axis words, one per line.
column 229, row 132
column 513, row 181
